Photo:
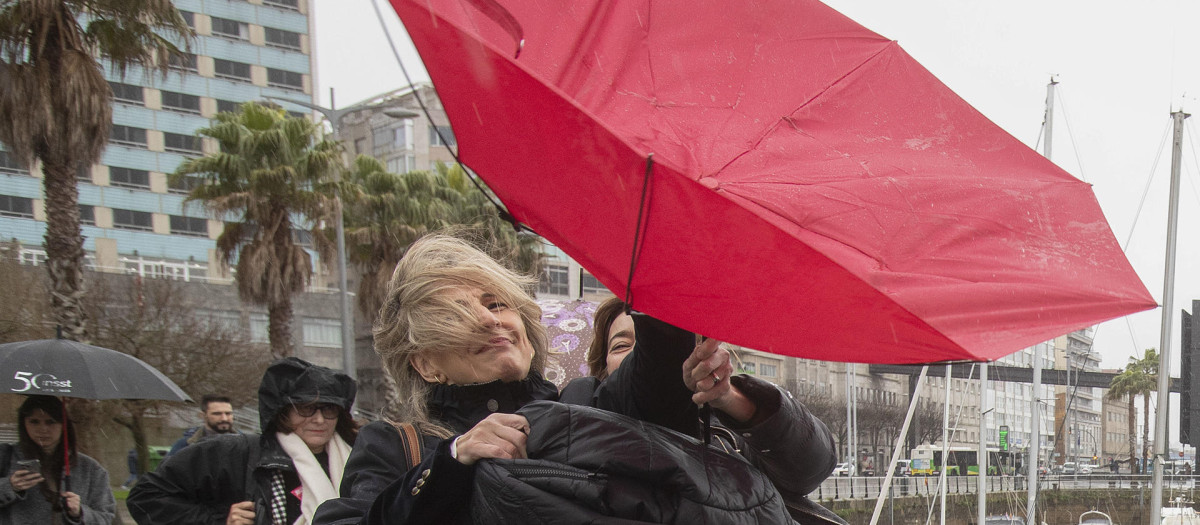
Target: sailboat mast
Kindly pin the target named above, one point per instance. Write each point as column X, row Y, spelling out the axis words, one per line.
column 1168, row 313
column 1035, row 447
column 983, row 454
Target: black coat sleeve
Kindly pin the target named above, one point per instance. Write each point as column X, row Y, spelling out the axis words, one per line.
column 791, row 446
column 377, row 460
column 197, row 485
column 649, row 384
column 435, row 492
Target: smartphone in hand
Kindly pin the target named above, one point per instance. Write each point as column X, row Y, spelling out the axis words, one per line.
column 31, row 465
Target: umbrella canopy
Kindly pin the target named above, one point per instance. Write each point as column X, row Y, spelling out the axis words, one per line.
column 569, row 326
column 813, row 190
column 59, row 367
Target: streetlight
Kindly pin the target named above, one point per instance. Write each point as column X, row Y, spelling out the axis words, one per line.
column 334, row 116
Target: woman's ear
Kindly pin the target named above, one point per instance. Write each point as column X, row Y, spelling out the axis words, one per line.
column 429, row 371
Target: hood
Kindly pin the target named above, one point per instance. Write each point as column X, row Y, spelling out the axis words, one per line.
column 295, row 381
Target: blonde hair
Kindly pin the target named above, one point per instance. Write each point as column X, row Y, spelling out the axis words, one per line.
column 418, row 316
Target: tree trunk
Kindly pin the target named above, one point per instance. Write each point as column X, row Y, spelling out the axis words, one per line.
column 64, row 249
column 137, row 429
column 1132, row 432
column 1145, row 430
column 279, row 328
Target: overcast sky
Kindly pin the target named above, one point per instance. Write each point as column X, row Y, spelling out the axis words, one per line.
column 1122, row 67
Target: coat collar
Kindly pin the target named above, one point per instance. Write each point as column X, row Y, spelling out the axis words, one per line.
column 461, row 407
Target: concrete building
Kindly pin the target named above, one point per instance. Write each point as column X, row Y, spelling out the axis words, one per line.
column 134, row 218
column 1078, row 410
column 1114, row 426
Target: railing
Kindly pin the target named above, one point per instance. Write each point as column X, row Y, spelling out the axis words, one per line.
column 840, row 487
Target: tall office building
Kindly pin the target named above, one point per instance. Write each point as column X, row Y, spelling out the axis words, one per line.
column 134, row 219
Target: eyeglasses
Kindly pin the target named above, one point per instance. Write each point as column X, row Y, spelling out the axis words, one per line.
column 328, row 411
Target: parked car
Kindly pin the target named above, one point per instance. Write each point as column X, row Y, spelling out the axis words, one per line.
column 1070, row 468
column 844, row 469
column 903, row 468
column 1086, row 469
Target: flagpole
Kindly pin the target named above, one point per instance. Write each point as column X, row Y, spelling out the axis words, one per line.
column 1168, row 313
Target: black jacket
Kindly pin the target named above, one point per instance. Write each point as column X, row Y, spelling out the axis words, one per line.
column 198, row 484
column 797, row 446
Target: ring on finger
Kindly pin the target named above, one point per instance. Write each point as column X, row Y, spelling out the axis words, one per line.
column 716, row 378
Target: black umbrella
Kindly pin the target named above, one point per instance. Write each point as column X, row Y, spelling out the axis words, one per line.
column 60, row 367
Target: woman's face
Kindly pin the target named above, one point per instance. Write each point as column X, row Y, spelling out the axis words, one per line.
column 506, row 356
column 44, row 430
column 316, row 430
column 620, row 341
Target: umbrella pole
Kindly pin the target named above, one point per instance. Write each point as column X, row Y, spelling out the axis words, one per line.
column 65, row 486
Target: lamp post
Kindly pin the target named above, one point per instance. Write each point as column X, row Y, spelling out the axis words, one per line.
column 334, row 116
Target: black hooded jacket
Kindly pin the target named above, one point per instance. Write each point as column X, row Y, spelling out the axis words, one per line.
column 199, row 484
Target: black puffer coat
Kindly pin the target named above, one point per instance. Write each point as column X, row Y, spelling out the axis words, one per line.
column 636, row 389
column 199, row 483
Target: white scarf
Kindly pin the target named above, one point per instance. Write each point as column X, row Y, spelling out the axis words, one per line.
column 317, row 487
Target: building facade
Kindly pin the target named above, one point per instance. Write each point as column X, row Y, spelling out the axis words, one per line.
column 134, row 218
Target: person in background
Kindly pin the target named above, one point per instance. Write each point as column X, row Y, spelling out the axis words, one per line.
column 131, row 462
column 278, row 477
column 32, row 489
column 217, row 412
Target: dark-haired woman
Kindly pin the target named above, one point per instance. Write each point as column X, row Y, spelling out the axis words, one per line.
column 277, row 478
column 36, row 494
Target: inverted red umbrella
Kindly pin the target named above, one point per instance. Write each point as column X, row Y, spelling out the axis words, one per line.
column 771, row 174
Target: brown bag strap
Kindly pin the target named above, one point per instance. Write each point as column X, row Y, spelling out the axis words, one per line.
column 412, row 443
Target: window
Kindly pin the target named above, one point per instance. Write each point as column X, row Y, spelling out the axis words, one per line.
column 231, row 70
column 132, row 220
column 84, row 174
column 87, row 215
column 590, row 285
column 360, row 145
column 126, row 93
column 183, row 62
column 127, row 135
column 181, row 102
column 554, row 280
column 189, row 18
column 402, row 164
column 228, row 106
column 293, row 5
column 747, row 367
column 323, row 332
column 259, row 328
column 284, row 79
column 16, row 207
column 230, row 28
column 768, row 370
column 9, row 164
column 445, row 133
column 192, row 226
column 181, row 143
column 128, row 178
column 281, row 38
column 183, row 183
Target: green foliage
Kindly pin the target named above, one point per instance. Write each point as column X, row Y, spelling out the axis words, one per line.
column 272, row 177
column 387, row 212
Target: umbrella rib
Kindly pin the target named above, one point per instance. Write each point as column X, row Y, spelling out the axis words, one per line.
column 788, row 118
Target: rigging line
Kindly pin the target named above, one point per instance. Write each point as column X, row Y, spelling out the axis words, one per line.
column 425, row 110
column 1133, row 351
column 1071, row 134
column 953, row 431
column 1146, row 190
column 1195, row 163
column 637, row 232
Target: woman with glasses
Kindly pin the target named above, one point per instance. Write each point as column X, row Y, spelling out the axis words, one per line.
column 279, row 477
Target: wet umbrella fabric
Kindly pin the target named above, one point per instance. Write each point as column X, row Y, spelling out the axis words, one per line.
column 60, row 367
column 813, row 190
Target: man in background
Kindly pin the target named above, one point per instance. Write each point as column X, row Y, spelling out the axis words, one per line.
column 218, row 419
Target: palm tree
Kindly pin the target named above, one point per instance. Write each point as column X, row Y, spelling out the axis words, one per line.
column 57, row 107
column 386, row 212
column 271, row 170
column 1140, row 378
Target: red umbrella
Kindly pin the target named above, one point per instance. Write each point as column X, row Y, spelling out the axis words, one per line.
column 813, row 190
